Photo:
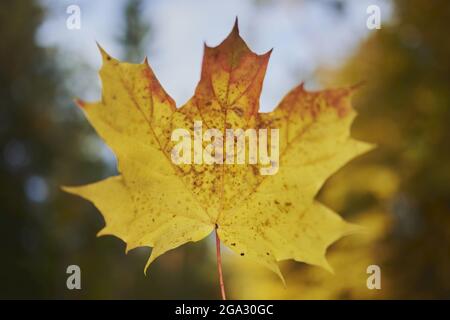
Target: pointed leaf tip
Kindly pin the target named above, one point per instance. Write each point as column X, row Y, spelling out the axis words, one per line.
column 267, row 54
column 104, row 54
column 147, row 265
column 80, row 103
column 236, row 26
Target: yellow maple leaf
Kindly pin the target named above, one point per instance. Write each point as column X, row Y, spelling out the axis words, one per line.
column 158, row 203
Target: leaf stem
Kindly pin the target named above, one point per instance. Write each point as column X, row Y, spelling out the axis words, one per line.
column 219, row 266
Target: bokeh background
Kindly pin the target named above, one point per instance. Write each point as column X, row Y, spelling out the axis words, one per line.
column 400, row 191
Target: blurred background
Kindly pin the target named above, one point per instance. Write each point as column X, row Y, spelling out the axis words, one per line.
column 400, row 191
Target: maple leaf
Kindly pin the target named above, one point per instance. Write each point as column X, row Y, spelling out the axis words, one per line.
column 156, row 203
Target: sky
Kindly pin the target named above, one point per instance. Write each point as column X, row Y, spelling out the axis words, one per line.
column 304, row 35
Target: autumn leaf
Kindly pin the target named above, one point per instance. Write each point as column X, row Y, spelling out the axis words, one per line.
column 155, row 202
